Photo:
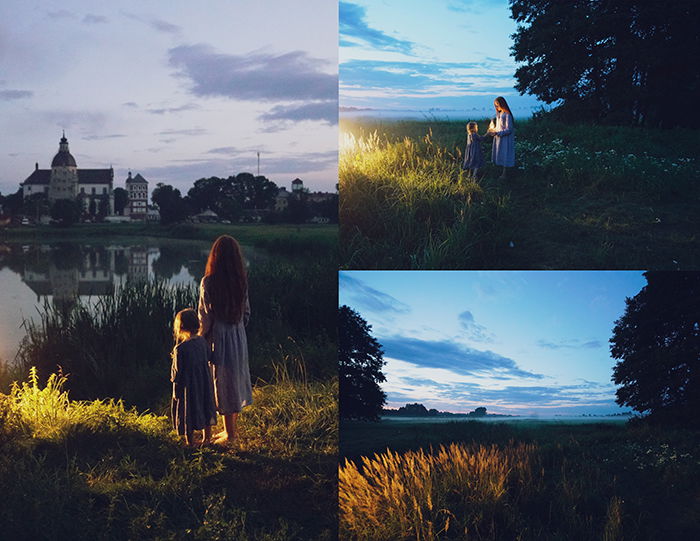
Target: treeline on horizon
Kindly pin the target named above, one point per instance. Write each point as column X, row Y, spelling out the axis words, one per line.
column 419, row 410
column 612, row 61
column 231, row 198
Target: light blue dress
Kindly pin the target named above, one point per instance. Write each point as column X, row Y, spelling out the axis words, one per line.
column 228, row 355
column 503, row 149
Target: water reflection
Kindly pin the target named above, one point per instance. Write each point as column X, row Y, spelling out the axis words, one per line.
column 32, row 274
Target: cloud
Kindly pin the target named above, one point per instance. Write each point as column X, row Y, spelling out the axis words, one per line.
column 186, row 131
column 224, row 150
column 572, row 343
column 94, row 19
column 131, row 104
column 325, row 111
column 353, row 26
column 163, row 110
column 292, row 76
column 369, row 298
column 62, row 14
column 454, row 357
column 465, row 395
column 101, row 137
column 476, row 332
column 155, row 23
column 8, row 95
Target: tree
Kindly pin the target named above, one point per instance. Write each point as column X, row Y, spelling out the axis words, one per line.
column 657, row 342
column 65, row 211
column 613, row 60
column 360, row 362
column 121, row 199
column 172, row 207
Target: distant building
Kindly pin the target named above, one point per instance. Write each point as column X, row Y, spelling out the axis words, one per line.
column 282, row 199
column 65, row 181
column 297, row 185
column 137, row 190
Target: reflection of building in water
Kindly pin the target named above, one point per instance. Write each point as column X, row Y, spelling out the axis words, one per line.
column 89, row 271
column 138, row 263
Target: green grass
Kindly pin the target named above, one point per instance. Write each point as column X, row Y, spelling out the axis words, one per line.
column 260, row 235
column 581, row 197
column 99, row 470
column 531, row 482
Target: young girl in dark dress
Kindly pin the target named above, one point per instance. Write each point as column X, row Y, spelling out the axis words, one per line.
column 473, row 157
column 193, row 394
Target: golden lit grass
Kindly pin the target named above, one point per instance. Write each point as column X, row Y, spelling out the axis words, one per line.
column 410, row 496
column 476, row 491
column 98, row 470
column 406, row 203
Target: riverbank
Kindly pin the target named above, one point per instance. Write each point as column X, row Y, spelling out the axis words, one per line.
column 261, row 235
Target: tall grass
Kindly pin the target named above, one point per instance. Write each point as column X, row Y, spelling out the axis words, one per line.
column 470, row 492
column 98, row 470
column 581, row 197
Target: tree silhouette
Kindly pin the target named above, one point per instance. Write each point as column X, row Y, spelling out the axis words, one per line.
column 616, row 61
column 360, row 362
column 657, row 342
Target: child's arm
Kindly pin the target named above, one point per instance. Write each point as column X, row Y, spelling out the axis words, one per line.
column 176, row 372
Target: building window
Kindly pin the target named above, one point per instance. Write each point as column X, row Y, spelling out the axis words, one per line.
column 93, row 190
column 82, row 190
column 104, row 190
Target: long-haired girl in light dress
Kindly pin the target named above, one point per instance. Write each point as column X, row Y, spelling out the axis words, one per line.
column 224, row 311
column 503, row 132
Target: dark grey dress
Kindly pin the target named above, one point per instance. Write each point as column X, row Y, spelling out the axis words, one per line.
column 193, row 395
column 473, row 156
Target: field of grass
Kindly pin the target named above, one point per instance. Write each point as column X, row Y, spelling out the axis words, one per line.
column 97, row 470
column 583, row 197
column 287, row 237
column 493, row 481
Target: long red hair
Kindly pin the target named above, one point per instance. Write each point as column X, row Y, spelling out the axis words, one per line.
column 225, row 279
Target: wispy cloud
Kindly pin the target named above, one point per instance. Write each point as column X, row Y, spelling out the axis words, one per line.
column 368, row 298
column 572, row 343
column 101, row 137
column 354, row 30
column 325, row 111
column 155, row 23
column 475, row 331
column 91, row 18
column 293, row 76
column 8, row 95
column 448, row 355
column 164, row 110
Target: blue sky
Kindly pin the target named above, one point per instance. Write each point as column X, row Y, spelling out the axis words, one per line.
column 175, row 91
column 409, row 57
column 516, row 342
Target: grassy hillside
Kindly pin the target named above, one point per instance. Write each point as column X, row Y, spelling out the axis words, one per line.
column 492, row 481
column 582, row 197
column 96, row 470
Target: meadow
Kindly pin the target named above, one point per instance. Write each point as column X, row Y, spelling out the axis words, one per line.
column 582, row 196
column 499, row 481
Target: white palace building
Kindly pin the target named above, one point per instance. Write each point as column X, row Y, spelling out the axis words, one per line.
column 66, row 181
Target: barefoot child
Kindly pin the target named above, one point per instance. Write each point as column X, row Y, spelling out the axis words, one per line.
column 193, row 394
column 473, row 157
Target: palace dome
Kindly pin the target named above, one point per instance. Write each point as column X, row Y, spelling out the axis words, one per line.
column 64, row 157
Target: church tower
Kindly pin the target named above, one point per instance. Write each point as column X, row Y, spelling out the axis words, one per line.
column 63, row 183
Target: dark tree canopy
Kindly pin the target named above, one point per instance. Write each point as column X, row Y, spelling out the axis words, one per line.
column 227, row 196
column 618, row 61
column 657, row 344
column 172, row 206
column 65, row 211
column 121, row 199
column 360, row 362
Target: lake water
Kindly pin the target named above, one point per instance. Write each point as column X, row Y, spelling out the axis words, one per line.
column 563, row 419
column 32, row 274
